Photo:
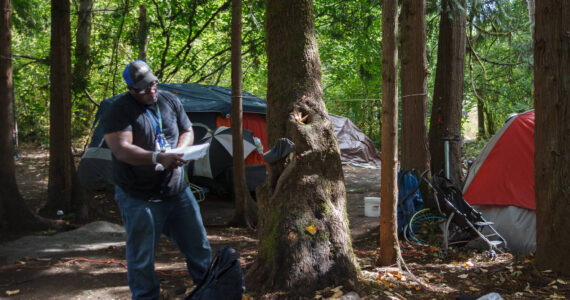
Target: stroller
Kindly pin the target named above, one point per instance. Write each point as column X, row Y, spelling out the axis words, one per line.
column 463, row 223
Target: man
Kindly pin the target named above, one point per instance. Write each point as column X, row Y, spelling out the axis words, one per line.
column 150, row 189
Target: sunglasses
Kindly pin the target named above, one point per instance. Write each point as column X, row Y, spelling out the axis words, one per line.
column 149, row 89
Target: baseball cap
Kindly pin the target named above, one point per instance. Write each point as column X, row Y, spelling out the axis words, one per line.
column 138, row 74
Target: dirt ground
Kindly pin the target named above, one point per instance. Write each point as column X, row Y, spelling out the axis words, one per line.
column 101, row 274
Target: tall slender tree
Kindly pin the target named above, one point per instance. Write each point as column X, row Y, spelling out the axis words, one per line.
column 64, row 190
column 304, row 239
column 14, row 213
column 389, row 247
column 80, row 78
column 552, row 135
column 143, row 33
column 82, row 46
column 245, row 213
column 447, row 103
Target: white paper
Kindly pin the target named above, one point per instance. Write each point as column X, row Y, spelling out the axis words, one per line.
column 191, row 152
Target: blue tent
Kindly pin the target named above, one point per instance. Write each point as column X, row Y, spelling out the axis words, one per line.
column 202, row 103
column 195, row 98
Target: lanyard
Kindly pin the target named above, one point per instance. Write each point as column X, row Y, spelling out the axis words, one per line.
column 158, row 122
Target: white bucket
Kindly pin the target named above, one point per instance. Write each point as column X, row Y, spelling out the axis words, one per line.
column 372, row 206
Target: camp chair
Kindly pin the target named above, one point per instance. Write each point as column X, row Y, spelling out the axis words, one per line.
column 463, row 223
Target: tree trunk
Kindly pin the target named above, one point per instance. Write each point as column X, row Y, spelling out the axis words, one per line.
column 415, row 149
column 389, row 247
column 80, row 78
column 448, row 90
column 14, row 213
column 143, row 33
column 245, row 213
column 552, row 135
column 304, row 239
column 531, row 16
column 82, row 46
column 414, row 86
column 63, row 188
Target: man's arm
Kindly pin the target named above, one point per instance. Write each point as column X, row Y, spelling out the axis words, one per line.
column 121, row 144
column 186, row 138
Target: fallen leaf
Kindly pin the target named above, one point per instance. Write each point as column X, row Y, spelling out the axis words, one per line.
column 337, row 294
column 397, row 275
column 474, row 289
column 12, row 292
column 463, row 276
column 561, row 281
column 312, row 229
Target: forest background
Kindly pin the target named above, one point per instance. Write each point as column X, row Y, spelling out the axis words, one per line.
column 189, row 42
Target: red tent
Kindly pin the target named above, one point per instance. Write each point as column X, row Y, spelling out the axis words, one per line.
column 504, row 172
column 500, row 183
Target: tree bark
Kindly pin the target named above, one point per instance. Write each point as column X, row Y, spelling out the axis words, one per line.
column 389, row 247
column 143, row 33
column 245, row 214
column 415, row 152
column 552, row 135
column 64, row 190
column 82, row 46
column 14, row 213
column 80, row 79
column 304, row 239
column 415, row 148
column 448, row 90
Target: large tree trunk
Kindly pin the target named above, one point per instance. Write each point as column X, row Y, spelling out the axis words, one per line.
column 415, row 149
column 389, row 247
column 14, row 214
column 64, row 192
column 448, row 90
column 552, row 135
column 245, row 213
column 415, row 152
column 304, row 236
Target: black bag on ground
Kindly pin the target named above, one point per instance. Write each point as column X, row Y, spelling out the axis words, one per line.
column 224, row 279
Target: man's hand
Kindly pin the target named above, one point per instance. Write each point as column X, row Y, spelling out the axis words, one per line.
column 170, row 161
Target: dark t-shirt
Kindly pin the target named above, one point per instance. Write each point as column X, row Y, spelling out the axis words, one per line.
column 126, row 113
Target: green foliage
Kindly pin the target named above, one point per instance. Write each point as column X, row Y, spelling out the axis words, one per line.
column 499, row 64
column 189, row 41
column 350, row 35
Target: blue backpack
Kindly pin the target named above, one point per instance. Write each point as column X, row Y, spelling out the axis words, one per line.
column 409, row 198
column 224, row 279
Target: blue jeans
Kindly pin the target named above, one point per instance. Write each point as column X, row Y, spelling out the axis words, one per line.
column 145, row 221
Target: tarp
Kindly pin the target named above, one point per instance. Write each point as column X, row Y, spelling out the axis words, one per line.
column 500, row 183
column 355, row 146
